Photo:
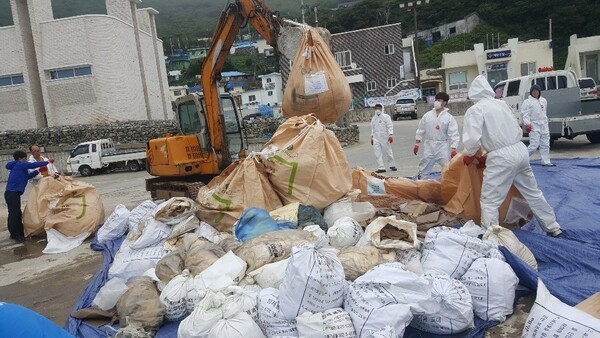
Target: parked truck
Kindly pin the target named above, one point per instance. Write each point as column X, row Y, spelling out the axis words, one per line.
column 101, row 156
column 568, row 115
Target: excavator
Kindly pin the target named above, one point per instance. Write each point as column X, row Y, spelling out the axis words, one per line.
column 210, row 135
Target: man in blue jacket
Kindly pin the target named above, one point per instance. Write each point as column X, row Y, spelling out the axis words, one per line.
column 17, row 181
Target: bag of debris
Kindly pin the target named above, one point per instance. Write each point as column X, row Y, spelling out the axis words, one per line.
column 386, row 332
column 238, row 325
column 309, row 215
column 115, row 225
column 357, row 260
column 318, row 232
column 69, row 206
column 174, row 210
column 140, row 212
column 461, row 191
column 109, row 294
column 456, row 307
column 272, row 247
column 344, row 232
column 387, row 295
column 169, row 266
column 240, row 299
column 549, row 317
column 316, row 83
column 390, row 233
column 399, row 187
column 58, row 243
column 200, row 254
column 140, row 306
column 348, row 206
column 173, row 296
column 271, row 319
column 492, row 284
column 446, row 250
column 314, row 281
column 149, row 232
column 190, row 224
column 306, row 163
column 129, row 263
column 241, row 185
column 228, row 242
column 269, row 275
column 505, row 237
column 256, row 221
column 330, row 323
column 226, row 271
column 204, row 317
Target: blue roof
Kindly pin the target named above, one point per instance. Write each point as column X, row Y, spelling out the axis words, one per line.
column 232, row 73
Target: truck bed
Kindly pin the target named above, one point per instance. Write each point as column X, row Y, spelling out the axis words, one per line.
column 134, row 155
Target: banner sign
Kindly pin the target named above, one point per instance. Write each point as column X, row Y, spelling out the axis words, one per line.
column 413, row 93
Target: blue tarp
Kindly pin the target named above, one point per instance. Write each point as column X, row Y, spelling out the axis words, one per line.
column 568, row 265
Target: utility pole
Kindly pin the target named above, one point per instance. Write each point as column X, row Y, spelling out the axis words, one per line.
column 412, row 6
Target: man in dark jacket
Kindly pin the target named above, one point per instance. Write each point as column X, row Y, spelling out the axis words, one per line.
column 17, row 181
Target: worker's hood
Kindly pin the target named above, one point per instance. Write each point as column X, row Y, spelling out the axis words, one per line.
column 10, row 165
column 480, row 89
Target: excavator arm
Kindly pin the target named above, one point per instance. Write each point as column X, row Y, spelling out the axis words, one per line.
column 235, row 16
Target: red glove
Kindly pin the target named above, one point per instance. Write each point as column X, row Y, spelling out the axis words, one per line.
column 453, row 153
column 391, row 139
column 416, row 149
column 481, row 160
column 528, row 128
column 371, row 140
column 468, row 159
column 50, row 160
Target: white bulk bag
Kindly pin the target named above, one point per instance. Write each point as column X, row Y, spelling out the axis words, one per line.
column 115, row 226
column 204, row 317
column 347, row 206
column 236, row 326
column 456, row 313
column 140, row 212
column 109, row 294
column 411, row 260
column 270, row 318
column 549, row 317
column 505, row 237
column 270, row 275
column 446, row 250
column 196, row 292
column 240, row 299
column 314, row 281
column 129, row 263
column 386, row 332
column 227, row 270
column 372, row 235
column 149, row 232
column 174, row 210
column 344, row 232
column 492, row 284
column 174, row 294
column 330, row 323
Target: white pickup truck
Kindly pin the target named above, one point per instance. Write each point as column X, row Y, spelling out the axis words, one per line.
column 100, row 156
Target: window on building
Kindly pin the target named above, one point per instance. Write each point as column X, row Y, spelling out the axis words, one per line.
column 452, row 30
column 457, row 80
column 389, row 49
column 391, row 82
column 11, row 80
column 70, row 72
column 251, row 98
column 270, row 93
column 527, row 68
column 268, row 80
column 371, row 86
column 344, row 59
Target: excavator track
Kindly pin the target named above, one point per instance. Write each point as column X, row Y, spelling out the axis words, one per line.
column 165, row 190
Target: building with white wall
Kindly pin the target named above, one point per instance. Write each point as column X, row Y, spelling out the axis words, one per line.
column 513, row 59
column 81, row 70
column 584, row 56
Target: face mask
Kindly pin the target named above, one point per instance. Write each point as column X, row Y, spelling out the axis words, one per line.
column 437, row 105
column 378, row 112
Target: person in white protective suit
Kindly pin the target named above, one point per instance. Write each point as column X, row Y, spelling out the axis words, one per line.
column 438, row 131
column 491, row 125
column 535, row 122
column 382, row 136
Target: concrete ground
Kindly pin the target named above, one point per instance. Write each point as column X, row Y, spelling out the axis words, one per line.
column 51, row 284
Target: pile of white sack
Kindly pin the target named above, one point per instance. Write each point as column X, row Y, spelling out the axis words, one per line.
column 365, row 276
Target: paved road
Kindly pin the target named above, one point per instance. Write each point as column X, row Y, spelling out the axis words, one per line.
column 50, row 284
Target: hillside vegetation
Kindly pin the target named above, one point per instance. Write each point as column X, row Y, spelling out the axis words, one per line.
column 181, row 22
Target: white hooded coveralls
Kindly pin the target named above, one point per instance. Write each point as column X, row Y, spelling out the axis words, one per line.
column 381, row 129
column 491, row 125
column 437, row 133
column 51, row 169
column 533, row 112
